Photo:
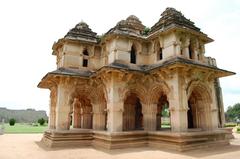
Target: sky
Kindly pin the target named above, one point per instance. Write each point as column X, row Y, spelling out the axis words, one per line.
column 28, row 28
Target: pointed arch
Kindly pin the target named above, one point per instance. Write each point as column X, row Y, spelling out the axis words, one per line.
column 133, row 57
column 158, row 50
column 199, row 106
column 85, row 58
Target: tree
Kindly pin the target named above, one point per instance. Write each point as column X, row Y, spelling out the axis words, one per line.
column 146, row 31
column 12, row 122
column 233, row 112
column 165, row 111
column 41, row 121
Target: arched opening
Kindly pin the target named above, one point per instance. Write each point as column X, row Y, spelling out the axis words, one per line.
column 132, row 114
column 82, row 113
column 85, row 52
column 159, row 54
column 190, row 50
column 198, row 115
column 85, row 58
column 163, row 113
column 133, row 55
column 76, row 115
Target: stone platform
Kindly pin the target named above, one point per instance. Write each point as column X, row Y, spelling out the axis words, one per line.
column 180, row 141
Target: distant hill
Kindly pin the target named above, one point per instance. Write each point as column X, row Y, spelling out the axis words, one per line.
column 22, row 116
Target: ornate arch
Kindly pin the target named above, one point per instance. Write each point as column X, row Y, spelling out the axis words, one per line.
column 158, row 89
column 137, row 46
column 139, row 90
column 200, row 88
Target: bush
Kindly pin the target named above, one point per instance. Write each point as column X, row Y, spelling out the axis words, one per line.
column 34, row 124
column 41, row 121
column 230, row 124
column 12, row 122
column 238, row 129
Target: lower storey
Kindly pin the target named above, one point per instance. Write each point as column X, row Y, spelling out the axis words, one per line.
column 180, row 141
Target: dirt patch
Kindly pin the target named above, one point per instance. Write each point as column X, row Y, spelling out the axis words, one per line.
column 26, row 146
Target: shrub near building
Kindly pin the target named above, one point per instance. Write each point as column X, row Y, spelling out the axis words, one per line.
column 41, row 121
column 12, row 122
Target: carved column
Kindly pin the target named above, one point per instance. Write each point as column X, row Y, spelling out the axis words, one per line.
column 115, row 110
column 129, row 117
column 186, row 48
column 159, row 117
column 99, row 116
column 76, row 113
column 178, row 105
column 87, row 117
column 63, row 108
column 114, row 84
column 52, row 111
column 115, row 115
column 150, row 117
column 213, row 107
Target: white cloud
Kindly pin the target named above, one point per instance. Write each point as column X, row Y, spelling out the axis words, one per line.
column 29, row 28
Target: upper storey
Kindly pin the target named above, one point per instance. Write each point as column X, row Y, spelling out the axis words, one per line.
column 131, row 43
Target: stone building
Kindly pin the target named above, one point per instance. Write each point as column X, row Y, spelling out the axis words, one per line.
column 112, row 88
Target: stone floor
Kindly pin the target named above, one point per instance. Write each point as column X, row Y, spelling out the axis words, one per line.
column 27, row 146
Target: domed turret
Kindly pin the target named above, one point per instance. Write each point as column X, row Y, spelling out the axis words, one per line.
column 173, row 18
column 82, row 32
column 131, row 25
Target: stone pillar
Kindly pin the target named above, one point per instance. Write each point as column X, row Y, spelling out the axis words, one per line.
column 213, row 112
column 87, row 117
column 185, row 48
column 129, row 117
column 52, row 117
column 52, row 109
column 178, row 104
column 150, row 117
column 115, row 103
column 220, row 104
column 159, row 117
column 178, row 48
column 115, row 117
column 63, row 108
column 76, row 114
column 99, row 116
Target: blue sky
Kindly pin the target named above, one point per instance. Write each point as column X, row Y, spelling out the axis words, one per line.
column 29, row 28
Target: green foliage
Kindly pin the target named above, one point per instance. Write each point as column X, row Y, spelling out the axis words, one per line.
column 12, row 122
column 41, row 121
column 165, row 111
column 100, row 38
column 165, row 123
column 230, row 124
column 146, row 31
column 34, row 124
column 238, row 129
column 233, row 112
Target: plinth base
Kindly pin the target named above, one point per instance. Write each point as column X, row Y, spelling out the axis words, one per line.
column 180, row 141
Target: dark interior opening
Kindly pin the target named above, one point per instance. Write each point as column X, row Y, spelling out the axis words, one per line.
column 85, row 52
column 160, row 55
column 190, row 52
column 138, row 116
column 85, row 62
column 133, row 56
column 190, row 116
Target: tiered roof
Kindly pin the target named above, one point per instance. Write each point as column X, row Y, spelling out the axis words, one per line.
column 82, row 32
column 132, row 25
column 173, row 18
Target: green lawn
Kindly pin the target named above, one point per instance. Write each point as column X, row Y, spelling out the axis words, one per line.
column 24, row 128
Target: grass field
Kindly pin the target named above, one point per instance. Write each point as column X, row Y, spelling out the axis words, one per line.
column 24, row 128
